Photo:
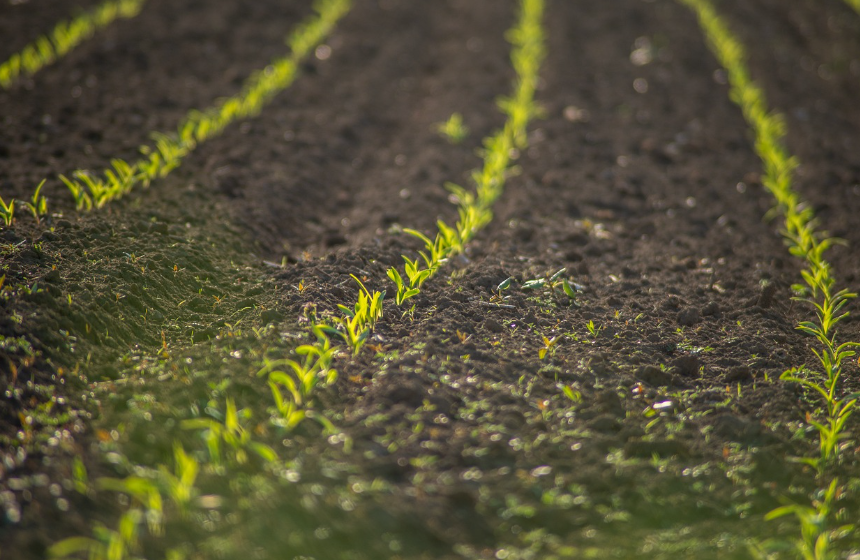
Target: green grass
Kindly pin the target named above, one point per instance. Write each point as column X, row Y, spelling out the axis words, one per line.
column 92, row 190
column 809, row 243
column 65, row 36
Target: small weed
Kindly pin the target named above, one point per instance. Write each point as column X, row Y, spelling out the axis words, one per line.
column 548, row 347
column 555, row 284
column 593, row 329
column 453, row 129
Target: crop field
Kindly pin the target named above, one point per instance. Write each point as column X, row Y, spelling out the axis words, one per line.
column 411, row 279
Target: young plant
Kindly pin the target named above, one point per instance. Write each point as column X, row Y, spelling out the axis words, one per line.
column 180, row 482
column 38, row 204
column 7, row 212
column 453, row 129
column 816, row 534
column 556, row 284
column 405, row 290
column 82, row 199
column 548, row 347
column 106, row 544
column 232, row 433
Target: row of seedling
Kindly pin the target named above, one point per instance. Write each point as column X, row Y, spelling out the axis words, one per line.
column 475, row 208
column 158, row 160
column 65, row 36
column 818, row 290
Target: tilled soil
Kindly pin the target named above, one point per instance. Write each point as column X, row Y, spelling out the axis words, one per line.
column 457, row 438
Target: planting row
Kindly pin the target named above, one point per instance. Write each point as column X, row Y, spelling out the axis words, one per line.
column 65, row 36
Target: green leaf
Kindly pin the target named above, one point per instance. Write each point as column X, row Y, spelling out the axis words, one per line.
column 534, row 284
column 73, row 545
column 568, row 289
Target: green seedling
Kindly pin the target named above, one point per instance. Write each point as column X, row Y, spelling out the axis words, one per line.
column 548, row 346
column 180, row 483
column 572, row 394
column 593, row 329
column 232, row 433
column 405, row 289
column 82, row 199
column 7, row 211
column 817, row 536
column 38, row 204
column 122, row 543
column 145, row 492
column 355, row 325
column 556, row 284
column 314, row 366
column 106, row 544
column 79, row 476
column 453, row 129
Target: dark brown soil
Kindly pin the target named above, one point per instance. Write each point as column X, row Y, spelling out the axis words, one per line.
column 459, row 441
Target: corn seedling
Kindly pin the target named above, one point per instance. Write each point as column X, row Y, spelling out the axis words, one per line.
column 38, row 204
column 180, row 483
column 65, row 36
column 145, row 493
column 232, row 433
column 7, row 211
column 300, row 379
column 453, row 129
column 355, row 325
column 817, row 535
column 106, row 544
column 854, row 4
column 122, row 543
column 146, row 506
column 572, row 394
column 168, row 150
column 474, row 209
